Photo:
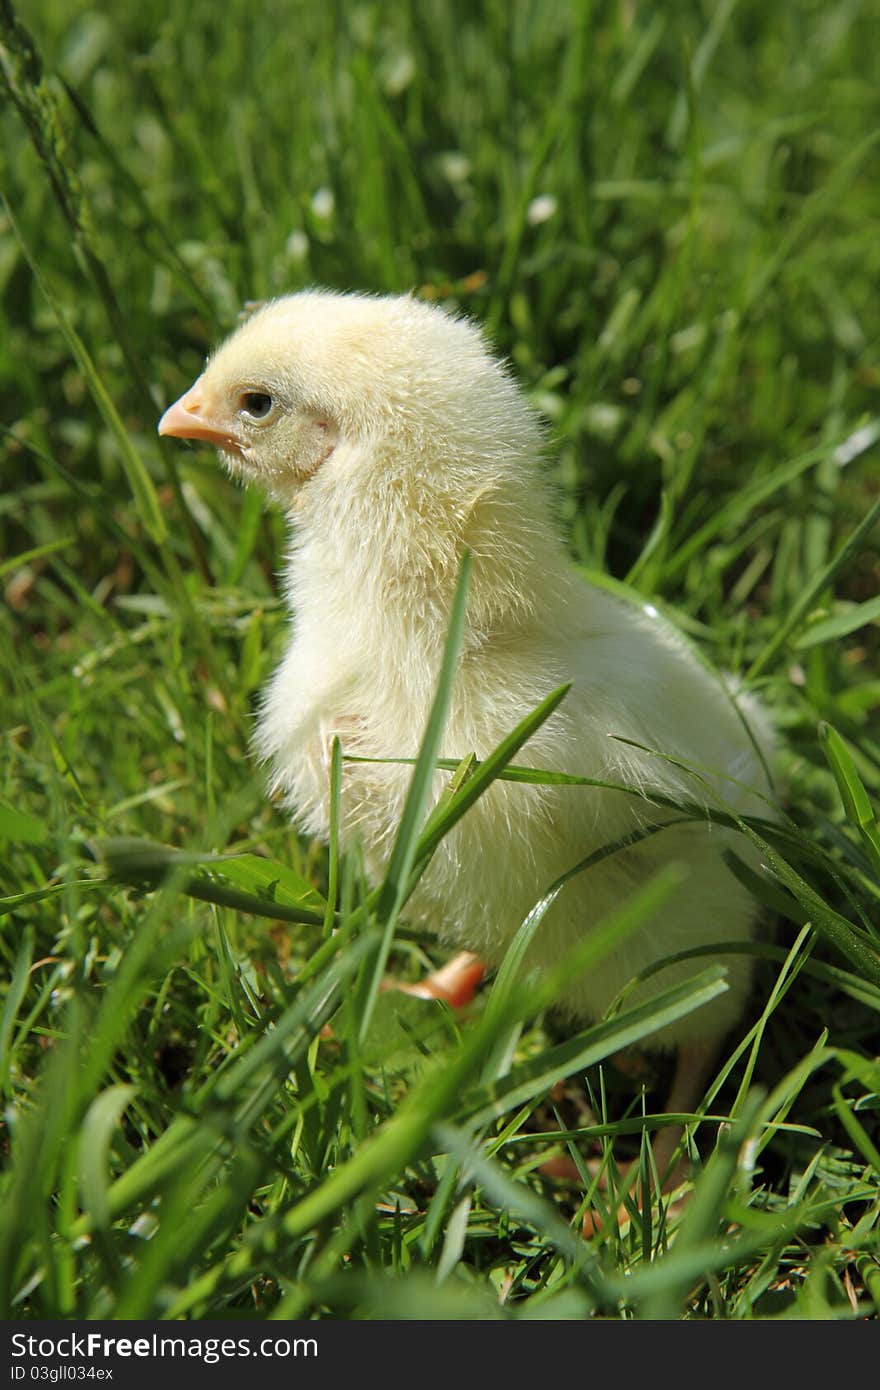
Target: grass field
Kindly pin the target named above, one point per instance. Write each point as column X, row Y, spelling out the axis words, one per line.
column 668, row 217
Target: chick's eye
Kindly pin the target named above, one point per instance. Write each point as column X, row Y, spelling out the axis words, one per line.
column 257, row 404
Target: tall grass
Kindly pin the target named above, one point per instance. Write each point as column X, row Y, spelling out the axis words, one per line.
column 668, row 218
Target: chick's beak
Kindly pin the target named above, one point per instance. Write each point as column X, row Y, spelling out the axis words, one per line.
column 189, row 418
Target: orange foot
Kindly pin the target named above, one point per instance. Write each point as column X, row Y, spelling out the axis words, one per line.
column 693, row 1066
column 455, row 982
column 564, row 1168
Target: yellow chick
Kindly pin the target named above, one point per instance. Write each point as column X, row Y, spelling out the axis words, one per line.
column 393, row 439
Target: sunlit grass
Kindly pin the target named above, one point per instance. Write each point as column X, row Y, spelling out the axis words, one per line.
column 668, row 219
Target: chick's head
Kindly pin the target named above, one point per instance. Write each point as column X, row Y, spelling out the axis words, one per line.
column 382, row 378
column 261, row 401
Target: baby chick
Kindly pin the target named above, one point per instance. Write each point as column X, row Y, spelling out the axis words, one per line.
column 394, row 440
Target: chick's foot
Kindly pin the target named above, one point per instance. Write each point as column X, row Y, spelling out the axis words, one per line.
column 455, row 982
column 693, row 1065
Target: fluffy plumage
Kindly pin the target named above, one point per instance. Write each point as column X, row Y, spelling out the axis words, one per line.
column 393, row 440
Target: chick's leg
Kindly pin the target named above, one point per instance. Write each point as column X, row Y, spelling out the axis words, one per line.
column 693, row 1066
column 455, row 982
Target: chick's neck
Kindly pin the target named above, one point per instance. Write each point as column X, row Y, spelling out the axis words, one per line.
column 377, row 551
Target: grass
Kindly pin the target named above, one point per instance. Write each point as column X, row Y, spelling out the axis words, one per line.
column 668, row 218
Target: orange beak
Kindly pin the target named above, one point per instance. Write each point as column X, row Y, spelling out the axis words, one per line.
column 188, row 419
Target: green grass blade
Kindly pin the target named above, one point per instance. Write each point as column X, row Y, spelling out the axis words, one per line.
column 484, row 773
column 853, row 616
column 36, row 552
column 841, row 932
column 12, row 1003
column 856, row 802
column 273, row 889
column 736, row 510
column 51, row 890
column 395, row 885
column 529, row 1079
column 800, row 609
column 333, row 845
column 703, row 1216
column 404, row 852
column 655, row 545
column 20, row 827
column 96, row 1135
column 765, row 891
column 142, row 489
column 521, row 1201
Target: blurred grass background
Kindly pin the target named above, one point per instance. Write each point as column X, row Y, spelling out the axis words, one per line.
column 668, row 218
